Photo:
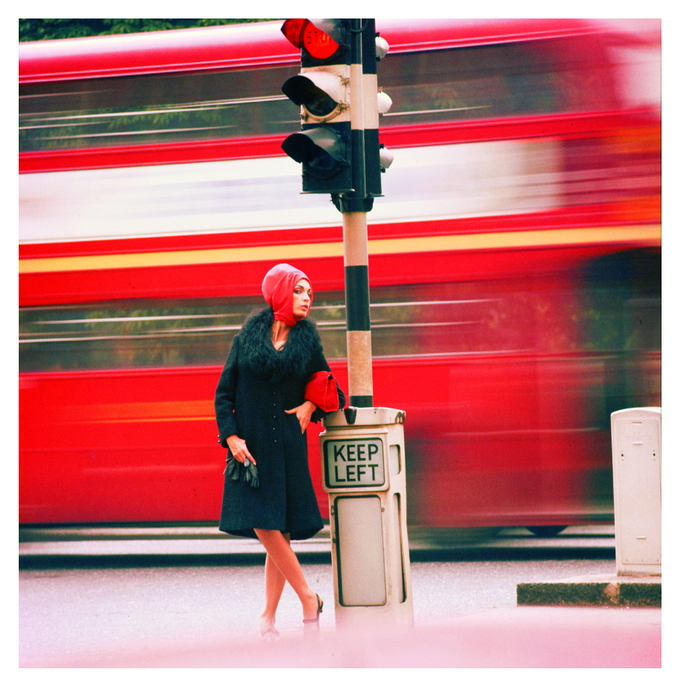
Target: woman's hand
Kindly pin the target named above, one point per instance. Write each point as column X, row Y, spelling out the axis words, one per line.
column 303, row 413
column 238, row 449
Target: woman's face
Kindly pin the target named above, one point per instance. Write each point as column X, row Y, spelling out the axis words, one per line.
column 302, row 299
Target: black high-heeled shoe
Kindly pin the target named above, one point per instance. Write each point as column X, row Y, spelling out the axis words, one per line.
column 311, row 625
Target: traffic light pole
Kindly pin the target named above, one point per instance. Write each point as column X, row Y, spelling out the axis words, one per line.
column 367, row 501
column 357, row 301
column 354, row 208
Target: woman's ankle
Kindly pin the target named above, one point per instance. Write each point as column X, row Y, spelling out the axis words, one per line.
column 310, row 605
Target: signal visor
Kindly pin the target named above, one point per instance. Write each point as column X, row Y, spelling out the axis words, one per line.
column 321, row 93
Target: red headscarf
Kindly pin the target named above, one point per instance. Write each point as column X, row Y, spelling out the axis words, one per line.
column 278, row 286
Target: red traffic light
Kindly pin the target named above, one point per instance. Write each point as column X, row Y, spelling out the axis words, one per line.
column 304, row 35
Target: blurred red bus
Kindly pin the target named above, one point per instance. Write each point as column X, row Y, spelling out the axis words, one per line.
column 514, row 261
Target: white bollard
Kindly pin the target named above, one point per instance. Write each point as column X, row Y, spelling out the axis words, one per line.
column 636, row 462
column 365, row 477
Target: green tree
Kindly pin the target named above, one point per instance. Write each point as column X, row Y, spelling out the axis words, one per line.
column 43, row 29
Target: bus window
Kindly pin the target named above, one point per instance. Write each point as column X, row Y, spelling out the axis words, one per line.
column 621, row 324
column 406, row 321
column 138, row 110
column 127, row 335
column 616, row 312
column 507, row 80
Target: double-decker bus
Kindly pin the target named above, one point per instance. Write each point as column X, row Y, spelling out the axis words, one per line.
column 514, row 261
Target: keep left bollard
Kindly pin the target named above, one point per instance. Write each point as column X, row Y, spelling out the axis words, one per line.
column 362, row 451
column 636, row 455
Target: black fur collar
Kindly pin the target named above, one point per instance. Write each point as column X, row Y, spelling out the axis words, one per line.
column 261, row 356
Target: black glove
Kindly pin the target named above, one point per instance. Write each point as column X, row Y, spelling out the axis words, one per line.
column 252, row 477
column 232, row 470
column 247, row 470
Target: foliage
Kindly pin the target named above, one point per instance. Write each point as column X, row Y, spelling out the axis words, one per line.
column 43, row 29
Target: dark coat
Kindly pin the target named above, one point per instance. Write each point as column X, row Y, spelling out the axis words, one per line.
column 256, row 385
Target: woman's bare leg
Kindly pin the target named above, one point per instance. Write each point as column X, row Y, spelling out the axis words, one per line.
column 274, row 582
column 283, row 557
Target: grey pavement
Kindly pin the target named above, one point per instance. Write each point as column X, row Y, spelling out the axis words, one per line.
column 552, row 625
column 506, row 637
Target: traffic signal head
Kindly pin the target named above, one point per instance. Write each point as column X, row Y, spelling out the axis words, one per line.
column 321, row 93
column 321, row 41
column 322, row 152
column 338, row 145
column 323, row 146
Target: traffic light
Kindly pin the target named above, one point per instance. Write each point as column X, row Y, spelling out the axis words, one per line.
column 321, row 89
column 338, row 144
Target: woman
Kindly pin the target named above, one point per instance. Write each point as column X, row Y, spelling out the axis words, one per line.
column 262, row 415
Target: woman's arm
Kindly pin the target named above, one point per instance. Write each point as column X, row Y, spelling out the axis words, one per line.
column 225, row 397
column 304, row 414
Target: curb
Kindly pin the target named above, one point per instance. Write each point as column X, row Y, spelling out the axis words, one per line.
column 616, row 590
